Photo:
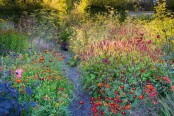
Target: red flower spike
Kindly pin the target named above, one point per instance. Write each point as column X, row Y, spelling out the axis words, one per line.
column 93, row 108
column 95, row 104
column 95, row 111
column 92, row 99
column 123, row 113
column 122, row 87
column 81, row 102
column 158, row 36
column 120, row 101
column 101, row 112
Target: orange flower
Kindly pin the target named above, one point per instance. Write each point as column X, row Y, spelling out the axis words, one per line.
column 100, row 84
column 18, row 81
column 40, row 61
column 42, row 58
column 101, row 91
column 123, row 94
column 149, row 86
column 108, row 86
column 141, row 97
column 116, row 105
column 127, row 107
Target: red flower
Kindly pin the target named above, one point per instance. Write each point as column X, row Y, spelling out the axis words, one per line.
column 152, row 94
column 141, row 97
column 18, row 81
column 151, row 87
column 158, row 36
column 101, row 112
column 167, row 79
column 123, row 113
column 149, row 41
column 81, row 102
column 92, row 99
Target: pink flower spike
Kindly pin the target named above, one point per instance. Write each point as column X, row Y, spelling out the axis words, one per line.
column 18, row 73
column 149, row 41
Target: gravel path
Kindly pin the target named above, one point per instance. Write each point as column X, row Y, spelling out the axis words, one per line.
column 80, row 95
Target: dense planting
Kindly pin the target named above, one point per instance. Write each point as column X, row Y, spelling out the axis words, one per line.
column 39, row 79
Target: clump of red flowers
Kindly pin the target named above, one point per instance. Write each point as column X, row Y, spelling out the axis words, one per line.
column 152, row 93
column 167, row 79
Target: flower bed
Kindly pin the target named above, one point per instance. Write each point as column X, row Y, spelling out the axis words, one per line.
column 39, row 79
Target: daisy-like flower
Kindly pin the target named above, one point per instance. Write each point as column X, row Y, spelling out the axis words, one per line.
column 18, row 73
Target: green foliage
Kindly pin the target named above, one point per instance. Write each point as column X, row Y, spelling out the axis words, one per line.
column 166, row 105
column 84, row 4
column 115, row 67
column 60, row 5
column 12, row 41
column 42, row 72
column 162, row 26
column 161, row 10
column 15, row 10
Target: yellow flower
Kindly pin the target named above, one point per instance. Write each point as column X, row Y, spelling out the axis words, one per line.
column 56, row 105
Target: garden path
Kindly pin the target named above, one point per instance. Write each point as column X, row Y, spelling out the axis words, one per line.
column 80, row 95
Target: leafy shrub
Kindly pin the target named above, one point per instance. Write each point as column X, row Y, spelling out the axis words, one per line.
column 162, row 26
column 12, row 41
column 9, row 101
column 84, row 4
